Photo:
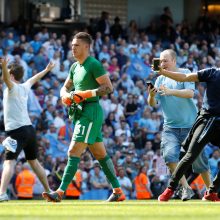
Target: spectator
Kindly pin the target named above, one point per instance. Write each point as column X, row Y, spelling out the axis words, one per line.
column 213, row 162
column 116, row 29
column 125, row 183
column 98, row 183
column 24, row 183
column 104, row 24
column 142, row 184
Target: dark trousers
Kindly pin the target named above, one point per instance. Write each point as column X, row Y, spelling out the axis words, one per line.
column 205, row 129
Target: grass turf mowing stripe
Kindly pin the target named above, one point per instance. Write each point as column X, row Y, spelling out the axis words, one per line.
column 95, row 210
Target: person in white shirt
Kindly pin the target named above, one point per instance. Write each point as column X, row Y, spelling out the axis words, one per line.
column 125, row 183
column 18, row 126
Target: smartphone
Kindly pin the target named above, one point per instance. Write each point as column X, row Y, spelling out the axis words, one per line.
column 156, row 64
column 150, row 84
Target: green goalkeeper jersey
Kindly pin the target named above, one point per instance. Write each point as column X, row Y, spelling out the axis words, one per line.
column 84, row 75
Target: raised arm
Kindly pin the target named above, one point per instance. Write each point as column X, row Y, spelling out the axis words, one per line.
column 151, row 97
column 5, row 74
column 41, row 74
column 181, row 77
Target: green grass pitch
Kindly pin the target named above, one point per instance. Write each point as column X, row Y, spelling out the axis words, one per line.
column 100, row 210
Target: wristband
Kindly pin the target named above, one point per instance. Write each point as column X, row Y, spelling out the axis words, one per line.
column 93, row 92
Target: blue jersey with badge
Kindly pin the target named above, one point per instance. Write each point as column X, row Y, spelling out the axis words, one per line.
column 178, row 112
column 211, row 99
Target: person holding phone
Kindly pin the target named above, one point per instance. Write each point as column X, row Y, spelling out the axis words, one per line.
column 150, row 84
column 206, row 128
column 179, row 112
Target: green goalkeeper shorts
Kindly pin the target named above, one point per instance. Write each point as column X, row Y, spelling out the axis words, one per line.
column 88, row 128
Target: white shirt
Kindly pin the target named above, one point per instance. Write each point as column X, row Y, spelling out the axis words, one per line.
column 119, row 110
column 105, row 103
column 15, row 106
column 125, row 182
column 58, row 122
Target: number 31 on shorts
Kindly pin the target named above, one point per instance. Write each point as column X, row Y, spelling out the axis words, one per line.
column 80, row 129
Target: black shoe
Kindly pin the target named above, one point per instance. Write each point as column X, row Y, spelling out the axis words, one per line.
column 52, row 196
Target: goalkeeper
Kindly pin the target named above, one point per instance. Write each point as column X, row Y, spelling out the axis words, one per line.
column 89, row 80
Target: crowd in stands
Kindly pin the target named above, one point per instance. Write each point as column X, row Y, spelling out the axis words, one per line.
column 132, row 129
